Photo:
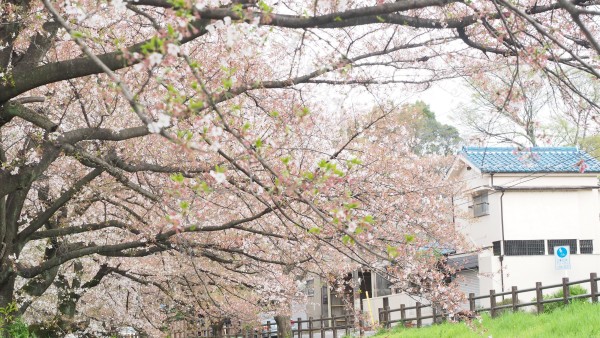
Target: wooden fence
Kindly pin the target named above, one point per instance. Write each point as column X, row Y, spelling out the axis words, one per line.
column 309, row 328
column 494, row 308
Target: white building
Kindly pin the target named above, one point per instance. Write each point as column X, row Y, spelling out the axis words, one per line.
column 518, row 205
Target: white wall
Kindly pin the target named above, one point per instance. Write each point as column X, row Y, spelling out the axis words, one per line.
column 395, row 301
column 545, row 180
column 552, row 215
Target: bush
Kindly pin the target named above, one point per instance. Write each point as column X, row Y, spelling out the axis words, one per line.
column 19, row 329
column 573, row 291
column 12, row 324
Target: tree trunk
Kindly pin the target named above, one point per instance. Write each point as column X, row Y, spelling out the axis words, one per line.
column 217, row 328
column 284, row 327
column 7, row 291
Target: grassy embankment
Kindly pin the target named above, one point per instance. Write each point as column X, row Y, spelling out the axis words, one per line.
column 576, row 320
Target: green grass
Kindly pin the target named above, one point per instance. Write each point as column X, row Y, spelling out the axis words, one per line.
column 576, row 320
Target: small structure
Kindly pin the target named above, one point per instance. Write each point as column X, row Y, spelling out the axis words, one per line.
column 518, row 205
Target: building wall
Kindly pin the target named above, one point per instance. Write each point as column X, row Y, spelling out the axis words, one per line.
column 552, row 215
column 545, row 180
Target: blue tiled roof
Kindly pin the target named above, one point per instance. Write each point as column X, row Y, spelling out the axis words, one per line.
column 536, row 159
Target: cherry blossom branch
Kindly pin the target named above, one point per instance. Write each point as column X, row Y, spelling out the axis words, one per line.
column 66, row 231
column 107, row 70
column 56, row 205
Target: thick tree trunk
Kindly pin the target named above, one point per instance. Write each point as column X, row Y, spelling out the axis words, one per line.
column 7, row 289
column 284, row 327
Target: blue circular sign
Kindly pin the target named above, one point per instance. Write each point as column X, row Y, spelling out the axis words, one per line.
column 561, row 252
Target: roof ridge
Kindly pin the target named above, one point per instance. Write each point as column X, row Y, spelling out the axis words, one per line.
column 511, row 149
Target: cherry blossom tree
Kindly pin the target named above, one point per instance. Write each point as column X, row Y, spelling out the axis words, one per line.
column 170, row 148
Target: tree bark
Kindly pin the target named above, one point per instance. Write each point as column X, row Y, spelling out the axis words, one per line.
column 284, row 327
column 7, row 289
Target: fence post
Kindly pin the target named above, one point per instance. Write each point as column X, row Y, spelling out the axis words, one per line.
column 381, row 319
column 472, row 302
column 333, row 326
column 565, row 287
column 387, row 317
column 539, row 297
column 402, row 314
column 299, row 322
column 418, row 308
column 347, row 324
column 434, row 314
column 594, row 287
column 322, row 327
column 493, row 303
column 515, row 298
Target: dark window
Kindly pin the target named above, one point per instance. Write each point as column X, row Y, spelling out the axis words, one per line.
column 496, row 248
column 586, row 246
column 310, row 287
column 572, row 243
column 524, row 247
column 480, row 205
column 324, row 299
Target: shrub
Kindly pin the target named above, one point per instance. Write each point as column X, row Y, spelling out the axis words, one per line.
column 573, row 291
column 12, row 324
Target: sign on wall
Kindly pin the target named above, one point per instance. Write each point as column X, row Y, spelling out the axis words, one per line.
column 562, row 257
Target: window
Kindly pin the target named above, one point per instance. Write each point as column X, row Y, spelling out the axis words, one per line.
column 496, row 248
column 310, row 288
column 324, row 299
column 383, row 286
column 572, row 243
column 586, row 246
column 480, row 205
column 524, row 247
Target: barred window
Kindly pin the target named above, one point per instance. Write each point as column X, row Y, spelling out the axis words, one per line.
column 572, row 243
column 586, row 246
column 480, row 206
column 524, row 247
column 496, row 248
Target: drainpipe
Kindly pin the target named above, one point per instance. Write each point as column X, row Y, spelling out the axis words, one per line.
column 502, row 243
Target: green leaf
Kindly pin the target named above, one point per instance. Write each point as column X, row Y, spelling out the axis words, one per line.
column 392, row 251
column 352, row 205
column 258, row 143
column 303, row 112
column 178, row 177
column 184, row 205
column 355, row 161
column 286, row 159
column 369, row 219
column 314, row 230
column 409, row 238
column 308, row 175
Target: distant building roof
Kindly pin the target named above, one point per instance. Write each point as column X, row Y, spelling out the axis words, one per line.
column 463, row 262
column 536, row 159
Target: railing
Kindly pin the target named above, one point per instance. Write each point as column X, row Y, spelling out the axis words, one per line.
column 494, row 308
column 310, row 327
